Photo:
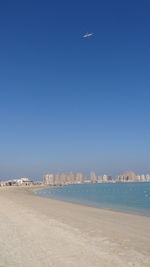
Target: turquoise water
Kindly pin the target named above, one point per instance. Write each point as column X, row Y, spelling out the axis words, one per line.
column 125, row 197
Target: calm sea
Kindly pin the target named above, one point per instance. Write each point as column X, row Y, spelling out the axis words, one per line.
column 125, row 197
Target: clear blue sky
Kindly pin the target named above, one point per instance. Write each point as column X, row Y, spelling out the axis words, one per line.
column 71, row 103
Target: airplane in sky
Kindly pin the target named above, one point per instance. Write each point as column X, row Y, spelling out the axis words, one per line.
column 87, row 35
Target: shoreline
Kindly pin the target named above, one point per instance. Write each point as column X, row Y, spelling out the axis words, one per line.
column 87, row 205
column 37, row 231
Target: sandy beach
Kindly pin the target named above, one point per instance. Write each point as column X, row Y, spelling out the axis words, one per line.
column 36, row 231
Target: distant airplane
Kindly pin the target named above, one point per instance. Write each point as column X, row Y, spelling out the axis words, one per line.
column 87, row 35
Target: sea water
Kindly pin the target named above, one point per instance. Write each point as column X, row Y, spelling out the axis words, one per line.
column 125, row 197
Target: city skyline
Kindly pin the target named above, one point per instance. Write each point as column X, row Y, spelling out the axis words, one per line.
column 64, row 178
column 70, row 103
column 79, row 177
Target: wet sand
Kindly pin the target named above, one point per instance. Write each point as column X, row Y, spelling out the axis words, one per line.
column 36, row 231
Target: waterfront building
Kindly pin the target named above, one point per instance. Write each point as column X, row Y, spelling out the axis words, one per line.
column 17, row 182
column 129, row 176
column 57, row 179
column 23, row 181
column 72, row 177
column 93, row 177
column 106, row 178
column 143, row 178
column 63, row 178
column 147, row 176
column 49, row 179
column 100, row 179
column 138, row 178
column 79, row 178
column 86, row 181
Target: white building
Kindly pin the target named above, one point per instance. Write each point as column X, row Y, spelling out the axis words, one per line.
column 143, row 178
column 106, row 178
column 147, row 176
column 138, row 178
column 49, row 179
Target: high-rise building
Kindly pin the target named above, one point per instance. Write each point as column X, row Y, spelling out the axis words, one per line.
column 49, row 179
column 143, row 178
column 63, row 178
column 106, row 178
column 93, row 177
column 147, row 176
column 127, row 177
column 138, row 178
column 100, row 179
column 79, row 177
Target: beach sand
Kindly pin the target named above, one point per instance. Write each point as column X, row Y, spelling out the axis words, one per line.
column 41, row 232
